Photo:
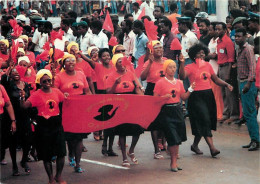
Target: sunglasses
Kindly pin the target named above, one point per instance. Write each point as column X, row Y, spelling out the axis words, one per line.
column 119, row 51
column 70, row 60
column 46, row 81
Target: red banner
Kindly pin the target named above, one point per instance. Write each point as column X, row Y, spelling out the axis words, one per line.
column 89, row 113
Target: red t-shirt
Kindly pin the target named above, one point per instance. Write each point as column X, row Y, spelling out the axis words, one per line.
column 164, row 87
column 127, row 82
column 102, row 74
column 4, row 57
column 257, row 74
column 155, row 73
column 47, row 104
column 200, row 73
column 72, row 84
column 225, row 50
column 31, row 57
column 84, row 67
column 3, row 98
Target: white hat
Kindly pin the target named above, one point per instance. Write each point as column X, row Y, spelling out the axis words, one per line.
column 20, row 40
column 34, row 11
column 56, row 26
column 21, row 18
column 23, row 58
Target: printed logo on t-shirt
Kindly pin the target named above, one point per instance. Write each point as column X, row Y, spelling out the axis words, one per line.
column 204, row 76
column 173, row 92
column 50, row 104
column 73, row 85
column 30, row 86
column 125, row 84
column 159, row 73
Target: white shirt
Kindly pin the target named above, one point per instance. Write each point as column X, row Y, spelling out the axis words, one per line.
column 148, row 9
column 257, row 34
column 136, row 15
column 213, row 49
column 60, row 44
column 188, row 40
column 37, row 40
column 86, row 42
column 100, row 40
column 69, row 35
column 129, row 43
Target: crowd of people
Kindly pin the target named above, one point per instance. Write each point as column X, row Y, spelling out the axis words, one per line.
column 202, row 70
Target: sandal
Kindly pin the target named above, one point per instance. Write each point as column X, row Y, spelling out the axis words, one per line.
column 72, row 162
column 158, row 156
column 79, row 170
column 125, row 163
column 133, row 158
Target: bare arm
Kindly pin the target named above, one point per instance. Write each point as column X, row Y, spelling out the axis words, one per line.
column 220, row 82
column 10, row 111
column 91, row 85
column 113, row 88
column 90, row 61
column 145, row 73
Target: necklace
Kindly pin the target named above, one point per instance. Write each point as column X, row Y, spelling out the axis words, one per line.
column 171, row 81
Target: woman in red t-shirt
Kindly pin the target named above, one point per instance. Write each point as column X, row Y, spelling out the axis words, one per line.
column 73, row 82
column 81, row 64
column 123, row 81
column 153, row 72
column 29, row 54
column 201, row 104
column 49, row 131
column 171, row 118
column 4, row 44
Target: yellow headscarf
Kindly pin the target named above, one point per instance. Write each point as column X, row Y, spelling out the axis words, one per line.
column 91, row 48
column 114, row 48
column 21, row 50
column 67, row 56
column 116, row 57
column 41, row 73
column 151, row 44
column 166, row 63
column 6, row 42
column 24, row 37
column 71, row 44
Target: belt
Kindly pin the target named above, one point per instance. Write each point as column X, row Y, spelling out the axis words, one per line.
column 172, row 104
column 224, row 64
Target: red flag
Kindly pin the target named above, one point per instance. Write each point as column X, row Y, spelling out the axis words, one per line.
column 46, row 46
column 108, row 25
column 150, row 29
column 126, row 61
column 176, row 45
column 139, row 68
column 17, row 30
column 98, row 112
column 141, row 14
column 175, row 28
column 56, row 35
column 21, row 70
column 15, row 46
column 139, row 2
column 113, row 41
column 122, row 8
column 43, row 56
column 58, row 54
column 101, row 13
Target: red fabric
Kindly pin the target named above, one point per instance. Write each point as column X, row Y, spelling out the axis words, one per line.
column 139, row 68
column 150, row 29
column 14, row 50
column 200, row 73
column 46, row 46
column 48, row 67
column 126, row 61
column 84, row 67
column 108, row 25
column 139, row 2
column 257, row 74
column 17, row 30
column 141, row 14
column 21, row 70
column 31, row 81
column 101, row 13
column 122, row 8
column 225, row 50
column 164, row 87
column 113, row 41
column 47, row 104
column 3, row 98
column 56, row 35
column 73, row 85
column 155, row 73
column 175, row 28
column 5, row 57
column 89, row 115
column 31, row 57
column 58, row 54
column 176, row 45
column 101, row 75
column 196, row 30
column 43, row 56
column 125, row 86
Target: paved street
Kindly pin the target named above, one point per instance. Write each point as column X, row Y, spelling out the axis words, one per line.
column 233, row 166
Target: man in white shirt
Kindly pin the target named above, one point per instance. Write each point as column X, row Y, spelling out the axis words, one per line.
column 148, row 8
column 136, row 11
column 38, row 39
column 99, row 39
column 68, row 33
column 129, row 37
column 85, row 38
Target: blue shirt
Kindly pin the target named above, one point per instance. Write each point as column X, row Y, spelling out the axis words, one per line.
column 140, row 45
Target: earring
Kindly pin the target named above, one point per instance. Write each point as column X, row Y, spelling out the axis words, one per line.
column 63, row 66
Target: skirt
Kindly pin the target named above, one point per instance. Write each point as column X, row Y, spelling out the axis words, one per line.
column 172, row 124
column 50, row 140
column 149, row 89
column 128, row 129
column 203, row 113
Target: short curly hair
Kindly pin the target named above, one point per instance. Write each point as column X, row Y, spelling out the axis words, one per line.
column 197, row 48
